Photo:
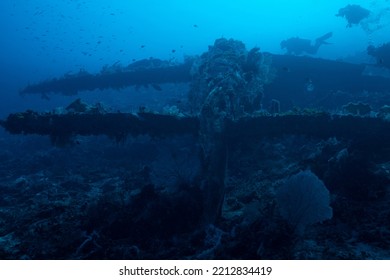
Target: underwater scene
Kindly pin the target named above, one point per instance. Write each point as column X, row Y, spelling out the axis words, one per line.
column 195, row 129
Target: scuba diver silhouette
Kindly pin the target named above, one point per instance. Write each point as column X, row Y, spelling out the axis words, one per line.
column 298, row 46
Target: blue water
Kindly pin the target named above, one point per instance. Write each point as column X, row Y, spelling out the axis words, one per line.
column 43, row 39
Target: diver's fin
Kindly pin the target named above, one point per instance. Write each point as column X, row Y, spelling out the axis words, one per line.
column 321, row 40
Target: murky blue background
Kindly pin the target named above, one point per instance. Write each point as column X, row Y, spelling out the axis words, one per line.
column 42, row 39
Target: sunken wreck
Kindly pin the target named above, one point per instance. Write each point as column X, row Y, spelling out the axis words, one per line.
column 236, row 98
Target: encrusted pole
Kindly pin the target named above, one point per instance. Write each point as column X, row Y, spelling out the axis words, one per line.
column 227, row 85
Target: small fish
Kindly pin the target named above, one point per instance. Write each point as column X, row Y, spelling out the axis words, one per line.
column 142, row 46
column 195, row 25
column 173, row 51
